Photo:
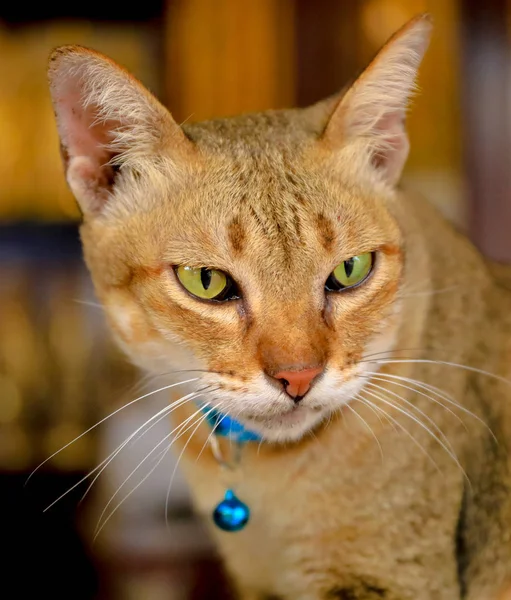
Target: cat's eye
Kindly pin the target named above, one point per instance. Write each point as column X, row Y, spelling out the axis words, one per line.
column 207, row 284
column 350, row 273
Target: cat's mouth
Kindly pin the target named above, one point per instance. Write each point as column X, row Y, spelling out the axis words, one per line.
column 290, row 424
column 295, row 412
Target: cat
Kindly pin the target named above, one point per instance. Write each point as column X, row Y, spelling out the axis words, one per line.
column 274, row 258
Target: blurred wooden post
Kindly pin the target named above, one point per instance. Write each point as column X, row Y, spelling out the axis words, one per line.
column 486, row 78
column 226, row 56
column 327, row 42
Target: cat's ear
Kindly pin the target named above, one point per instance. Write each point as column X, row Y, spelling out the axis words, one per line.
column 372, row 112
column 106, row 121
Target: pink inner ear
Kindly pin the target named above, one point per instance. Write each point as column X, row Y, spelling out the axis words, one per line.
column 391, row 154
column 82, row 135
column 90, row 183
column 85, row 147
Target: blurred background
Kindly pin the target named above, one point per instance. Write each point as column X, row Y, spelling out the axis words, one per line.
column 59, row 372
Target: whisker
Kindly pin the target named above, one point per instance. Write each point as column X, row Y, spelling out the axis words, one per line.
column 216, row 407
column 329, row 419
column 151, row 377
column 393, row 351
column 375, row 360
column 441, row 394
column 171, row 481
column 173, row 406
column 234, row 416
column 167, row 387
column 451, row 288
column 381, row 377
column 401, row 427
column 114, row 510
column 448, row 449
column 413, row 407
column 445, row 363
column 211, row 433
column 208, row 371
column 313, row 435
column 144, row 382
column 413, row 286
column 88, row 303
column 105, row 462
column 119, row 504
column 378, row 416
column 367, row 426
column 377, row 409
column 187, row 119
column 431, row 398
column 178, row 429
column 170, row 409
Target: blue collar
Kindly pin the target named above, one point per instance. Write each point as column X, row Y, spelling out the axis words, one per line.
column 226, row 426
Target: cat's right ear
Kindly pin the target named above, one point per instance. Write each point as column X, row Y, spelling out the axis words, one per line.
column 107, row 121
column 369, row 118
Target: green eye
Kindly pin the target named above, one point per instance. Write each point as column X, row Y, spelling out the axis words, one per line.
column 207, row 284
column 351, row 272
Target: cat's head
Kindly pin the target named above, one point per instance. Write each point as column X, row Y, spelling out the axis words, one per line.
column 260, row 252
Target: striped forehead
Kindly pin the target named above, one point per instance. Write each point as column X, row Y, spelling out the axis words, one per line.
column 275, row 209
column 286, row 227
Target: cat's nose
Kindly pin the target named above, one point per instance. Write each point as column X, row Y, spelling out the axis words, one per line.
column 297, row 383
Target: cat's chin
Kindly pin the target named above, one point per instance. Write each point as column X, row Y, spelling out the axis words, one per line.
column 287, row 427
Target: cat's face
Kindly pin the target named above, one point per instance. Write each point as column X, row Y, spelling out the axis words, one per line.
column 279, row 237
column 259, row 254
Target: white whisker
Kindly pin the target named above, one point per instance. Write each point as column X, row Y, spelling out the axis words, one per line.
column 206, row 415
column 401, row 427
column 366, row 424
column 445, row 290
column 423, row 394
column 211, row 433
column 330, row 417
column 378, row 416
column 448, row 449
column 445, row 363
column 102, row 524
column 105, row 462
column 167, row 387
column 178, row 429
column 393, row 351
column 423, row 426
column 170, row 409
column 89, row 303
column 259, row 446
column 440, row 393
column 413, row 407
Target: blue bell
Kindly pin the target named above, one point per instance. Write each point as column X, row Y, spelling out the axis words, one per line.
column 231, row 514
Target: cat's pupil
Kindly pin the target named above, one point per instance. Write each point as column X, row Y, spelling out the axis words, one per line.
column 205, row 277
column 348, row 267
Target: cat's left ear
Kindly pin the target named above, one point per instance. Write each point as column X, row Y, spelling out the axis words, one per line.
column 371, row 114
column 107, row 121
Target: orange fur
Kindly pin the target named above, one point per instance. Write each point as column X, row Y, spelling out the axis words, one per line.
column 371, row 505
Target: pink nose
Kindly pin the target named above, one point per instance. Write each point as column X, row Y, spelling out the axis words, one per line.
column 297, row 383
